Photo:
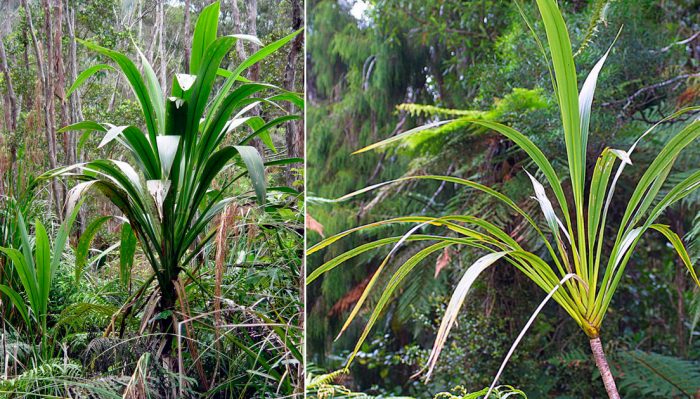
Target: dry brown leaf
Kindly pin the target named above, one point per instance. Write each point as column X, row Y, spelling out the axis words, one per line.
column 443, row 260
column 313, row 225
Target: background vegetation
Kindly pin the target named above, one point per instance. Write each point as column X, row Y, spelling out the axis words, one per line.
column 366, row 58
column 98, row 323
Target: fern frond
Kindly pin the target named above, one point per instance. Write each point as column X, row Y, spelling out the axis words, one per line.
column 314, row 382
column 431, row 110
column 650, row 374
column 503, row 391
column 599, row 11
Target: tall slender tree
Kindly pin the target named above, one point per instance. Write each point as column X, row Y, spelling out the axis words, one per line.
column 294, row 136
column 11, row 108
column 186, row 35
column 45, row 78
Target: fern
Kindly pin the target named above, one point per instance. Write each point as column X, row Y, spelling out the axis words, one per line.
column 325, row 386
column 431, row 110
column 600, row 8
column 503, row 391
column 74, row 315
column 652, row 375
column 50, row 378
column 316, row 381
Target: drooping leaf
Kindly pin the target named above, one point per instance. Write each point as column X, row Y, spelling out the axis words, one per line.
column 85, row 75
column 82, row 251
column 112, row 133
column 456, row 301
column 18, row 301
column 127, row 249
column 677, row 243
column 132, row 74
column 256, row 170
column 84, row 125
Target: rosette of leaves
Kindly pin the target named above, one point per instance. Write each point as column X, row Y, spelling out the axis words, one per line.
column 576, row 272
column 168, row 190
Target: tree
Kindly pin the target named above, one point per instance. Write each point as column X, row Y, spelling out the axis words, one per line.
column 45, row 74
column 294, row 136
column 11, row 109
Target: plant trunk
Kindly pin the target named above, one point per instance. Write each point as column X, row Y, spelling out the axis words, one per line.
column 604, row 368
column 166, row 325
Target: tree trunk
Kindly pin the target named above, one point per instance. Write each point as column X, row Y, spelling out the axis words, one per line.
column 11, row 107
column 186, row 37
column 604, row 368
column 75, row 103
column 254, row 71
column 49, row 111
column 252, row 8
column 238, row 27
column 151, row 52
column 166, row 325
column 59, row 81
column 161, row 48
column 12, row 97
column 294, row 136
column 76, row 112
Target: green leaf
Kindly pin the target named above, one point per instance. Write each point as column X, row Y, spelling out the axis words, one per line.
column 24, row 237
column 62, row 237
column 256, row 170
column 456, row 301
column 264, row 52
column 655, row 175
column 18, row 301
column 200, row 91
column 289, row 96
column 205, row 31
column 126, row 253
column 263, row 131
column 652, row 375
column 402, row 136
column 567, row 92
column 43, row 267
column 142, row 151
column 677, row 243
column 250, row 61
column 81, row 252
column 214, row 131
column 285, row 161
column 356, row 251
column 390, row 288
column 84, row 125
column 85, row 75
column 154, row 91
column 132, row 74
column 26, row 275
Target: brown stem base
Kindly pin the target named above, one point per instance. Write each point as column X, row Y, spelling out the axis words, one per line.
column 604, row 368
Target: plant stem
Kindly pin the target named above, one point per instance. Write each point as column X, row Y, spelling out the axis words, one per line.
column 604, row 368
